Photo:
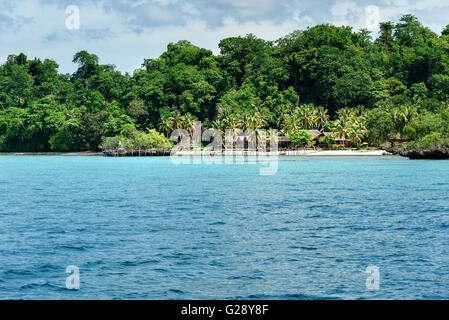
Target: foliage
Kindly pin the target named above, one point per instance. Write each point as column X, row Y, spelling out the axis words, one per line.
column 328, row 139
column 131, row 138
column 430, row 140
column 325, row 78
column 300, row 138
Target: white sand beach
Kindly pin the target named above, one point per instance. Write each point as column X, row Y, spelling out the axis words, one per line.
column 290, row 153
column 348, row 153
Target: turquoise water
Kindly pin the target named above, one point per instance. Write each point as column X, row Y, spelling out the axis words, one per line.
column 143, row 228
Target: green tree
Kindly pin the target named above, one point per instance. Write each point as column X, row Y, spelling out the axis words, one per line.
column 87, row 65
column 300, row 138
column 328, row 139
column 380, row 125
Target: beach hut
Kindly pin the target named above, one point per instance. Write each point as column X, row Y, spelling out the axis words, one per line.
column 398, row 138
column 338, row 139
column 315, row 134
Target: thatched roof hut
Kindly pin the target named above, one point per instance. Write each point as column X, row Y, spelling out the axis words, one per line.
column 338, row 139
column 315, row 134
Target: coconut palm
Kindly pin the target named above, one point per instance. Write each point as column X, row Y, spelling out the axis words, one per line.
column 280, row 120
column 356, row 132
column 360, row 111
column 224, row 111
column 307, row 116
column 178, row 119
column 346, row 113
column 218, row 125
column 235, row 121
column 253, row 120
column 290, row 124
column 407, row 113
column 166, row 124
column 341, row 128
column 322, row 117
column 398, row 119
column 189, row 122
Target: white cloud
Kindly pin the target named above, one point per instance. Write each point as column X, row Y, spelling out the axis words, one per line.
column 348, row 14
column 152, row 43
column 125, row 32
column 47, row 36
column 303, row 21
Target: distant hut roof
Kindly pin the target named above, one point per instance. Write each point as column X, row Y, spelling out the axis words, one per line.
column 315, row 133
column 399, row 138
column 334, row 135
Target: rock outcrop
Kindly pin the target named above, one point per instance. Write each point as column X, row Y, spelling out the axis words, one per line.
column 437, row 152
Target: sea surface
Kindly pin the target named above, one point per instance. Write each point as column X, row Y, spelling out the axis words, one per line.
column 145, row 228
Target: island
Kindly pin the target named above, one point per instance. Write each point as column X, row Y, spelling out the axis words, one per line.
column 326, row 87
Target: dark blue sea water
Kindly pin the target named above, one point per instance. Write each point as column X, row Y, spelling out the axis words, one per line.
column 144, row 228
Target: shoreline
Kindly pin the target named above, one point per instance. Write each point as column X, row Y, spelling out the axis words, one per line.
column 290, row 153
column 349, row 153
column 64, row 154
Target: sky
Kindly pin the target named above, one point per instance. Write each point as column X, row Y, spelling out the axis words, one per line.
column 124, row 32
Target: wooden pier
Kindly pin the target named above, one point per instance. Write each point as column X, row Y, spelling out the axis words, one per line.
column 122, row 152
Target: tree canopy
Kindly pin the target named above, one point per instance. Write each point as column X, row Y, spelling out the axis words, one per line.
column 325, row 77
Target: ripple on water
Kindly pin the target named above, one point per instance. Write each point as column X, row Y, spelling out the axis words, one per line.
column 139, row 263
column 73, row 248
column 143, row 228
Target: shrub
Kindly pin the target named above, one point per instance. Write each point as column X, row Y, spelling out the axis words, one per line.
column 300, row 138
column 431, row 140
column 110, row 143
column 133, row 139
column 328, row 139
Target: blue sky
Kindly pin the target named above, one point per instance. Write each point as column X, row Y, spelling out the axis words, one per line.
column 124, row 32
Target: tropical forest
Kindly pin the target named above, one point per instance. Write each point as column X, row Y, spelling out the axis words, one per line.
column 373, row 92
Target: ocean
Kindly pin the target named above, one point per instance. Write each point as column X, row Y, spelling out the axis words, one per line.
column 146, row 228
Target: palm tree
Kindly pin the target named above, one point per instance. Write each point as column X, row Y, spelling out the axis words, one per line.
column 398, row 119
column 307, row 115
column 407, row 114
column 253, row 120
column 224, row 111
column 166, row 124
column 189, row 122
column 178, row 119
column 346, row 113
column 218, row 125
column 356, row 132
column 322, row 117
column 290, row 124
column 341, row 128
column 233, row 122
column 280, row 120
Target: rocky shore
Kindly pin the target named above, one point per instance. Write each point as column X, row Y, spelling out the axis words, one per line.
column 436, row 153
